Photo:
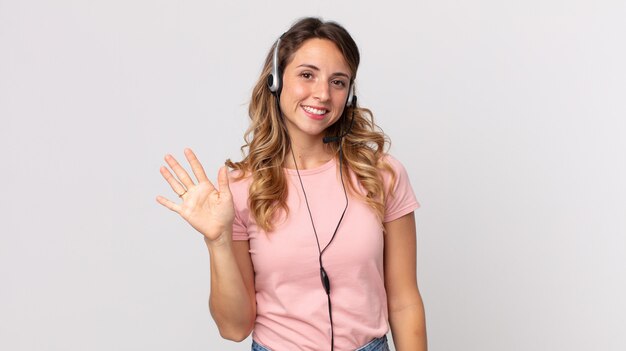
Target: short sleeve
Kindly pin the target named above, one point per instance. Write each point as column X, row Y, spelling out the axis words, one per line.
column 239, row 190
column 239, row 229
column 400, row 200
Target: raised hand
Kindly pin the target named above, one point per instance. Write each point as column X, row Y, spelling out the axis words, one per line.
column 208, row 209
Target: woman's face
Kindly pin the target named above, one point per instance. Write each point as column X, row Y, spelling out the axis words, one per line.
column 315, row 89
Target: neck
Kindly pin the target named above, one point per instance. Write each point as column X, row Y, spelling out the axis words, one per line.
column 308, row 156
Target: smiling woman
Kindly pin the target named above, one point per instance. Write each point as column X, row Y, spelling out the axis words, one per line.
column 316, row 84
column 312, row 235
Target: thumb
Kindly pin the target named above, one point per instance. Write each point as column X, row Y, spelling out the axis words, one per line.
column 222, row 180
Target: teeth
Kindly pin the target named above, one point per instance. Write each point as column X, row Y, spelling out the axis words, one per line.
column 313, row 110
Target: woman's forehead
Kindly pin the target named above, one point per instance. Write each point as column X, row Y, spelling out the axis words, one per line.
column 321, row 53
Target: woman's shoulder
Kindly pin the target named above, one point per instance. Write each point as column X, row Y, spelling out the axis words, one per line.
column 389, row 162
column 400, row 198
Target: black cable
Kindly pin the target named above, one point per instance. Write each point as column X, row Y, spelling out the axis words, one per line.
column 323, row 274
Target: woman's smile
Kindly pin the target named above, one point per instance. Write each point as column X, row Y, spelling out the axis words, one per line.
column 317, row 113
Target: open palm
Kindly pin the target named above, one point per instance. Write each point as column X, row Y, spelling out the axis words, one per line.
column 208, row 209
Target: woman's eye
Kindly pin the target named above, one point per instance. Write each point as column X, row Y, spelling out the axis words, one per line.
column 340, row 83
column 305, row 75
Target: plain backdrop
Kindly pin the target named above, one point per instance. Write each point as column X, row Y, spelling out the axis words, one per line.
column 508, row 115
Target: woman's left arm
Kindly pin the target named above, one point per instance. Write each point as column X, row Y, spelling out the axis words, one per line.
column 406, row 309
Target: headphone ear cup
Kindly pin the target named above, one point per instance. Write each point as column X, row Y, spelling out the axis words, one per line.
column 350, row 96
column 273, row 80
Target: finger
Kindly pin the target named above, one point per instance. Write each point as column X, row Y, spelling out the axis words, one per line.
column 179, row 170
column 222, row 180
column 169, row 204
column 178, row 188
column 196, row 166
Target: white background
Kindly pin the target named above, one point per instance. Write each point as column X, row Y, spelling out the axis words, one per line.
column 508, row 115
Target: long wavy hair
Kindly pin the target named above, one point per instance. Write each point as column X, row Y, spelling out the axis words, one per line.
column 268, row 143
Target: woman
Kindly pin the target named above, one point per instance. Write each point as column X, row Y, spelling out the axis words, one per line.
column 312, row 235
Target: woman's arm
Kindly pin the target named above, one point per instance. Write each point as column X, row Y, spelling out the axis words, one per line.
column 406, row 309
column 211, row 212
column 232, row 301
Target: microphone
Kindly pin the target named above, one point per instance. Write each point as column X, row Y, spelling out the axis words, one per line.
column 332, row 139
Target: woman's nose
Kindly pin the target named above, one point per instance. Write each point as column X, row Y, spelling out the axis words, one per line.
column 322, row 91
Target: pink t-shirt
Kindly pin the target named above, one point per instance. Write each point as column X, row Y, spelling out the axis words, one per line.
column 292, row 307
